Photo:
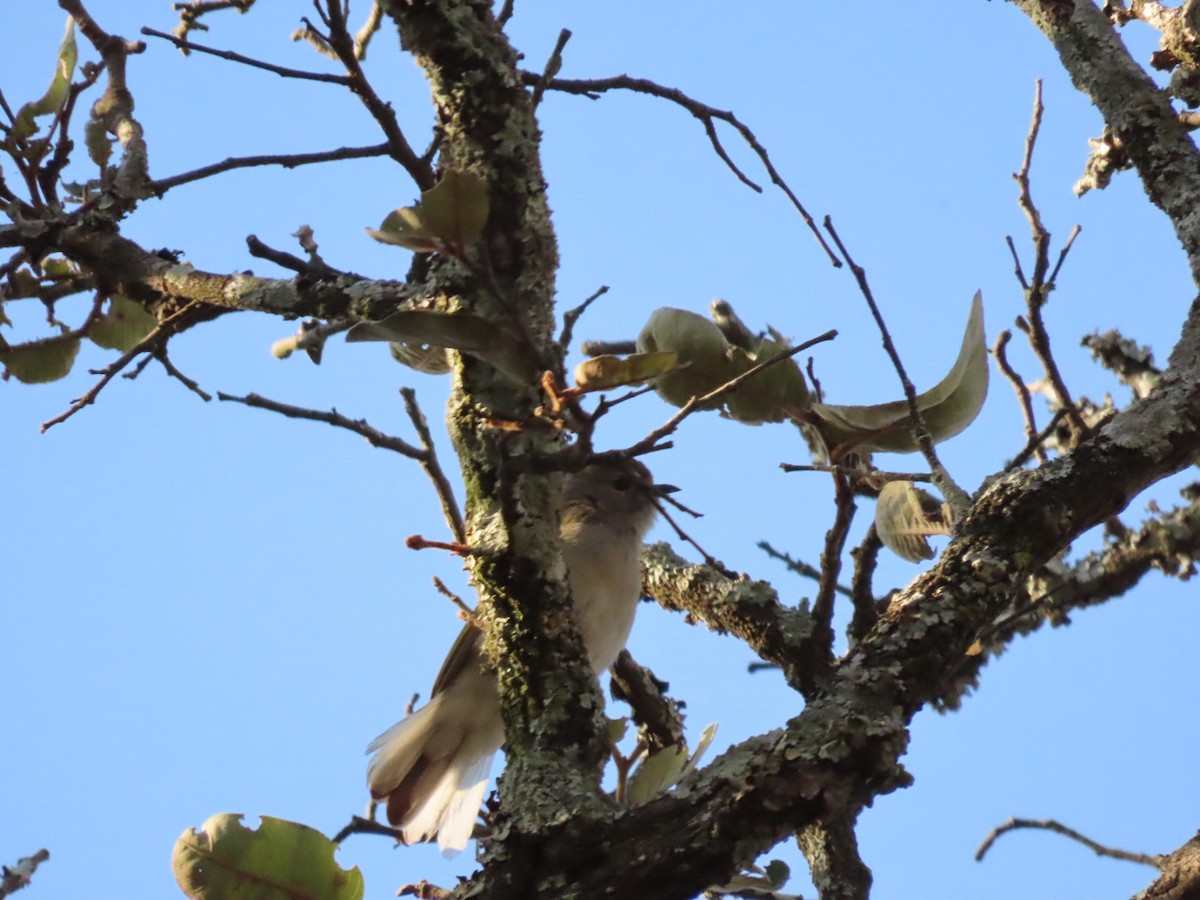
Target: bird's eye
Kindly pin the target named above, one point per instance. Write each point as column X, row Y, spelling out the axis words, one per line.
column 622, row 483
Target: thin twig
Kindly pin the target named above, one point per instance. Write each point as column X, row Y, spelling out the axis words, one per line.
column 955, row 496
column 18, row 876
column 707, row 115
column 506, row 12
column 286, row 160
column 831, row 563
column 799, row 566
column 1024, row 398
column 1149, row 859
column 875, row 476
column 553, row 65
column 862, row 594
column 282, row 71
column 695, row 403
column 161, row 355
column 373, row 436
column 1031, row 446
column 433, row 468
column 571, row 316
column 359, row 825
column 1037, row 289
column 383, row 112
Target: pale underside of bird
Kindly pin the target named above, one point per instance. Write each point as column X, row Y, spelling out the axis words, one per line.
column 432, row 767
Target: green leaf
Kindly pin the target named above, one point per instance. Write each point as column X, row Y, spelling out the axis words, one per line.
column 464, row 332
column 56, row 94
column 906, row 516
column 280, row 861
column 124, row 325
column 451, row 213
column 40, row 362
column 456, row 208
column 947, row 408
column 706, row 738
column 657, row 772
column 702, row 351
column 403, row 227
column 774, row 394
column 617, row 728
column 603, row 372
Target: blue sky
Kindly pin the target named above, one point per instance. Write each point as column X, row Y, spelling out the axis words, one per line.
column 208, row 608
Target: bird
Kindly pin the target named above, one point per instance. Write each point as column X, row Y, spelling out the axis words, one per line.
column 432, row 767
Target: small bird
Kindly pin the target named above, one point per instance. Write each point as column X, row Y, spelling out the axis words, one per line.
column 432, row 767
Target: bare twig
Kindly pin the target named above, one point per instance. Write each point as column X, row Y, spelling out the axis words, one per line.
column 161, row 355
column 955, row 496
column 707, row 115
column 1148, row 859
column 506, row 13
column 1036, row 441
column 400, row 150
column 286, row 160
column 866, row 609
column 282, row 71
column 1023, row 396
column 649, row 441
column 799, row 566
column 553, row 65
column 429, row 462
column 14, row 878
column 359, row 825
column 831, row 562
column 362, row 37
column 571, row 316
column 876, row 477
column 1041, row 281
column 373, row 436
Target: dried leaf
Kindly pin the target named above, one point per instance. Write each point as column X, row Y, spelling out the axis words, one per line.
column 905, row 516
column 947, row 408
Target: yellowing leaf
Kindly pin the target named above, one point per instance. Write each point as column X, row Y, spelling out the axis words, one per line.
column 123, row 326
column 947, row 408
column 657, row 772
column 280, row 861
column 452, row 213
column 906, row 516
column 56, row 94
column 603, row 372
column 40, row 362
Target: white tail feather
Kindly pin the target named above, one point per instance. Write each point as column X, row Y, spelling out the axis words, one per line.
column 452, row 807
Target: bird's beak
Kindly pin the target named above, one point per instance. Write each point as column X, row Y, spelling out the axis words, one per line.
column 665, row 489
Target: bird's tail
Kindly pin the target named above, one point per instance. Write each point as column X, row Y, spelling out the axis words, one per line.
column 433, row 777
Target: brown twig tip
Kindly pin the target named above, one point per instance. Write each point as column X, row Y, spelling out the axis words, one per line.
column 416, row 542
column 18, row 876
column 1148, row 859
